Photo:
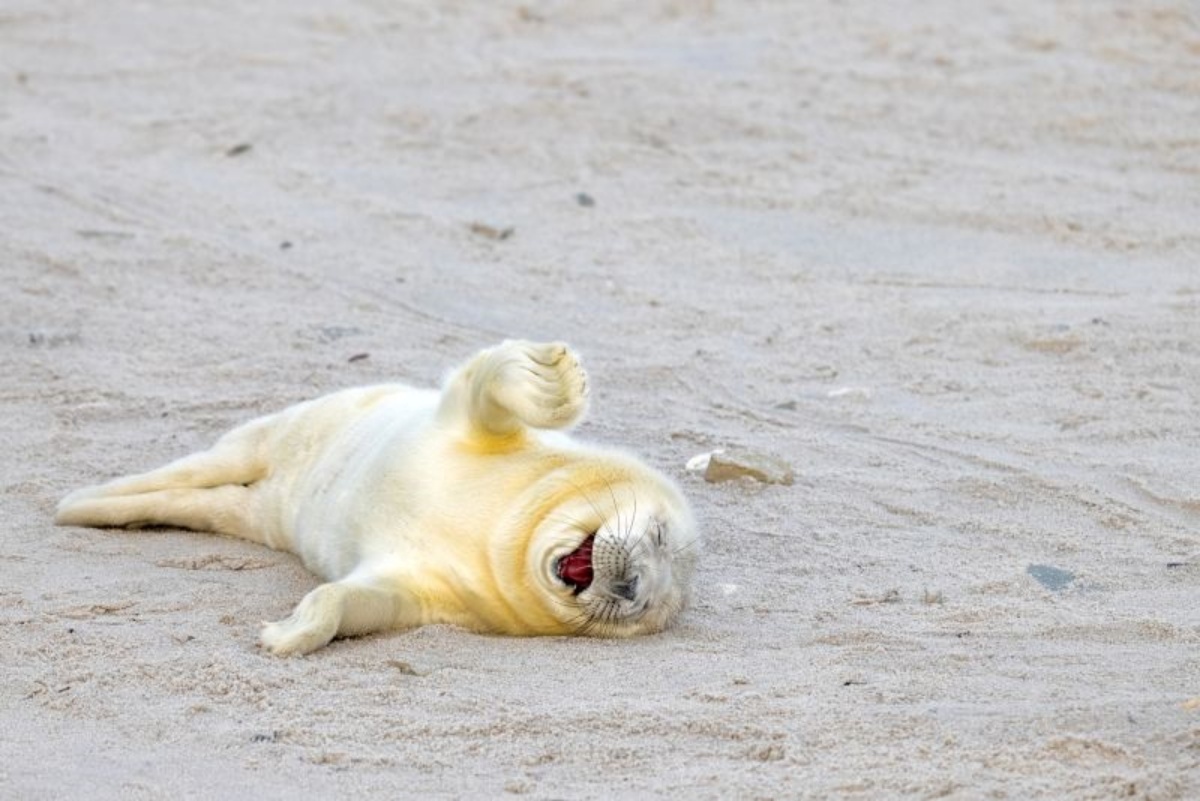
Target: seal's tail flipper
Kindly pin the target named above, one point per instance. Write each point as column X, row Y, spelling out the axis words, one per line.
column 225, row 510
column 207, row 491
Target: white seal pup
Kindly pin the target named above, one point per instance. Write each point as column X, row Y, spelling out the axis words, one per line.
column 423, row 507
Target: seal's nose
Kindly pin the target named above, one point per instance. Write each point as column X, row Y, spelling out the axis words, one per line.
column 626, row 589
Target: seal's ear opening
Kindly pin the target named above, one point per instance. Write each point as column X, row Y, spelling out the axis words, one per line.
column 575, row 569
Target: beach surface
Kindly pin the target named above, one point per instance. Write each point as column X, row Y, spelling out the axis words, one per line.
column 943, row 262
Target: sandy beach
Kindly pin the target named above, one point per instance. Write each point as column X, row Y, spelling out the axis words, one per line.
column 943, row 259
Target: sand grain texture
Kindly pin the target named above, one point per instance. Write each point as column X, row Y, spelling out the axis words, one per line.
column 943, row 263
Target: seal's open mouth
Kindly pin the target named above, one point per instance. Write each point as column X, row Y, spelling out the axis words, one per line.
column 575, row 569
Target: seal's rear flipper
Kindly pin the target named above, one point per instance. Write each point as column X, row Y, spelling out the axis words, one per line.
column 224, row 510
column 206, row 491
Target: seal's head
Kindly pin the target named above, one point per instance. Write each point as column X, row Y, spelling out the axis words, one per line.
column 615, row 554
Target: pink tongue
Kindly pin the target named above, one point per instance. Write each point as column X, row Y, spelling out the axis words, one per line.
column 576, row 567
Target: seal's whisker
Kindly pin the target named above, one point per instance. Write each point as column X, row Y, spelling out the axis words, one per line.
column 633, row 517
column 616, row 507
column 685, row 547
column 599, row 515
column 571, row 521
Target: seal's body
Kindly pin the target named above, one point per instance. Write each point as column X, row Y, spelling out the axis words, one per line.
column 418, row 506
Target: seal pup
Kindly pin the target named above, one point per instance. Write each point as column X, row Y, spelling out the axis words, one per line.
column 467, row 506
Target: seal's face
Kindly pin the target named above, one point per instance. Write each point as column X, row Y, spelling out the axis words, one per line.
column 619, row 563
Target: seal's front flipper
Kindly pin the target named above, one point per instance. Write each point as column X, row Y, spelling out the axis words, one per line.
column 346, row 608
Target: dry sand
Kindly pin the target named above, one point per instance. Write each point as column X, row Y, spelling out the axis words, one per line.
column 942, row 258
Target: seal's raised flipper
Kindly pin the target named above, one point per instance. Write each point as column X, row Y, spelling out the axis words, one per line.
column 515, row 384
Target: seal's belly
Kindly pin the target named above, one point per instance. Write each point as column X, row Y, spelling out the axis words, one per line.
column 337, row 472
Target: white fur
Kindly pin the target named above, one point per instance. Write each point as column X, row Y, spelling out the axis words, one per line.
column 418, row 506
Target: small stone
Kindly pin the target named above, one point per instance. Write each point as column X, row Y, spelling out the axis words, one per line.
column 850, row 393
column 491, row 231
column 767, row 753
column 404, row 668
column 734, row 463
column 889, row 597
column 585, row 200
column 1052, row 578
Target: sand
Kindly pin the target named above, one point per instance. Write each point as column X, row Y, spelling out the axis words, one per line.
column 940, row 258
